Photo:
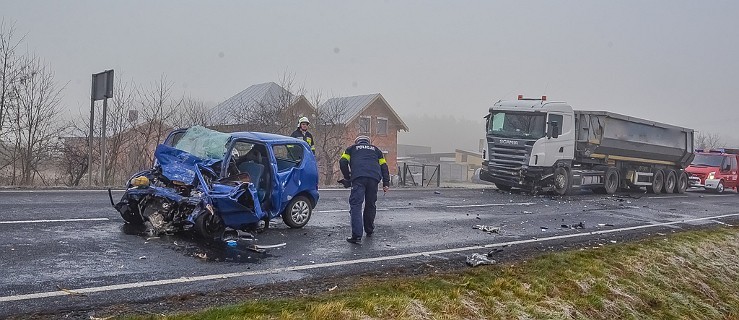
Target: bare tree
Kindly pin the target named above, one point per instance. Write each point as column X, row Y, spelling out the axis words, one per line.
column 192, row 112
column 328, row 136
column 11, row 65
column 156, row 109
column 121, row 119
column 707, row 141
column 73, row 153
column 34, row 116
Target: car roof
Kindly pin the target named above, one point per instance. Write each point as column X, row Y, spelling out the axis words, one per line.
column 264, row 137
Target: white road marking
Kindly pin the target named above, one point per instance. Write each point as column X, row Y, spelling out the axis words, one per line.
column 222, row 276
column 54, row 220
column 492, row 205
column 665, row 197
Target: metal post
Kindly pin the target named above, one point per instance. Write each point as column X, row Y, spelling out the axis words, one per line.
column 102, row 142
column 438, row 175
column 423, row 174
column 92, row 123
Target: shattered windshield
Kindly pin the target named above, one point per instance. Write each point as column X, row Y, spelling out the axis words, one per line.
column 203, row 142
column 704, row 160
column 528, row 125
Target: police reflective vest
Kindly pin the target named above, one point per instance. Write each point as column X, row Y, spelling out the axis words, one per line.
column 364, row 160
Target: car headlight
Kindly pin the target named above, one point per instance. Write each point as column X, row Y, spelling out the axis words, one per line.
column 712, row 175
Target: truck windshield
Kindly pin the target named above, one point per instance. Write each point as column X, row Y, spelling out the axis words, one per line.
column 706, row 160
column 527, row 125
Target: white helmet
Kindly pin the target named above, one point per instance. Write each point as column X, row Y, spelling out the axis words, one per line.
column 303, row 119
column 362, row 139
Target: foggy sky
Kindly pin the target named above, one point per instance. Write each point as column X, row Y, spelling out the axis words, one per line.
column 668, row 61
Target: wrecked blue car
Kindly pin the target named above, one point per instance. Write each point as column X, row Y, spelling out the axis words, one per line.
column 210, row 181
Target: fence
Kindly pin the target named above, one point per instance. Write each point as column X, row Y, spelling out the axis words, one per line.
column 425, row 175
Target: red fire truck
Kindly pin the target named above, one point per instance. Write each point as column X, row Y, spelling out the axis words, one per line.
column 715, row 170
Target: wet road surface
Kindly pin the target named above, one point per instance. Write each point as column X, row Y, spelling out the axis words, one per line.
column 61, row 250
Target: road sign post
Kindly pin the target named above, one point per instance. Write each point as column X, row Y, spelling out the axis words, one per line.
column 102, row 89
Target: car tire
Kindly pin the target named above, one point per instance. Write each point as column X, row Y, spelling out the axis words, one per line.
column 132, row 218
column 503, row 187
column 210, row 226
column 298, row 212
column 720, row 188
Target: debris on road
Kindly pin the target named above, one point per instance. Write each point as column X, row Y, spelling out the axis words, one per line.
column 333, row 288
column 437, row 192
column 142, row 257
column 201, row 255
column 477, row 259
column 488, row 229
column 580, row 225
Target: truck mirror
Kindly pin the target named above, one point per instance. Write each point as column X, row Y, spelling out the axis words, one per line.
column 555, row 129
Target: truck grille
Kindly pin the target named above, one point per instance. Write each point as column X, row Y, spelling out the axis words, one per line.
column 507, row 157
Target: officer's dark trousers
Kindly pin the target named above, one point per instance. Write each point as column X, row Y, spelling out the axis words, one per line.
column 364, row 189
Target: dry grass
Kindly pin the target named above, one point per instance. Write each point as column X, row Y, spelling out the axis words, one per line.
column 692, row 275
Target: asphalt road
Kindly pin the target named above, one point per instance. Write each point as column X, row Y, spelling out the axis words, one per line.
column 67, row 250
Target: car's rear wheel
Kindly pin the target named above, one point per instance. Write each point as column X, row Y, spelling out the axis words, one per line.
column 298, row 212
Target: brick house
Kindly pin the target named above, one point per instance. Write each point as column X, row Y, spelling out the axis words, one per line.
column 279, row 109
column 371, row 115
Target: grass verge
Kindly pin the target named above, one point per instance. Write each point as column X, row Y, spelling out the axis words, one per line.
column 689, row 275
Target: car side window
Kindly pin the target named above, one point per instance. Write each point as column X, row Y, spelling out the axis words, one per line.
column 288, row 155
column 733, row 164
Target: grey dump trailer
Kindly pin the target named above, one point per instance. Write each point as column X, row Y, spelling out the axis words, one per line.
column 538, row 146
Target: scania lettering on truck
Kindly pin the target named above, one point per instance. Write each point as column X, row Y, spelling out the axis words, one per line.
column 544, row 146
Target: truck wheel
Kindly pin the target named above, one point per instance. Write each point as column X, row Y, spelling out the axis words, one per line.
column 503, row 187
column 670, row 181
column 682, row 182
column 562, row 181
column 611, row 181
column 720, row 188
column 658, row 182
column 298, row 212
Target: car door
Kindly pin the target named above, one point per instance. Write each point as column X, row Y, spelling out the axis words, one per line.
column 289, row 165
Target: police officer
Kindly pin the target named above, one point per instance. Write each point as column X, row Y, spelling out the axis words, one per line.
column 302, row 133
column 364, row 166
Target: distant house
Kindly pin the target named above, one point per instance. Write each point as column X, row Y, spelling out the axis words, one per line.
column 262, row 107
column 370, row 115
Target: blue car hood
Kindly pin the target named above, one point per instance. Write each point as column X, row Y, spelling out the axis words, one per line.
column 178, row 165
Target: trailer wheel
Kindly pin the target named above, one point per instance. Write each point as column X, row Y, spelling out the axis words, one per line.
column 611, row 181
column 682, row 182
column 562, row 181
column 670, row 181
column 658, row 182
